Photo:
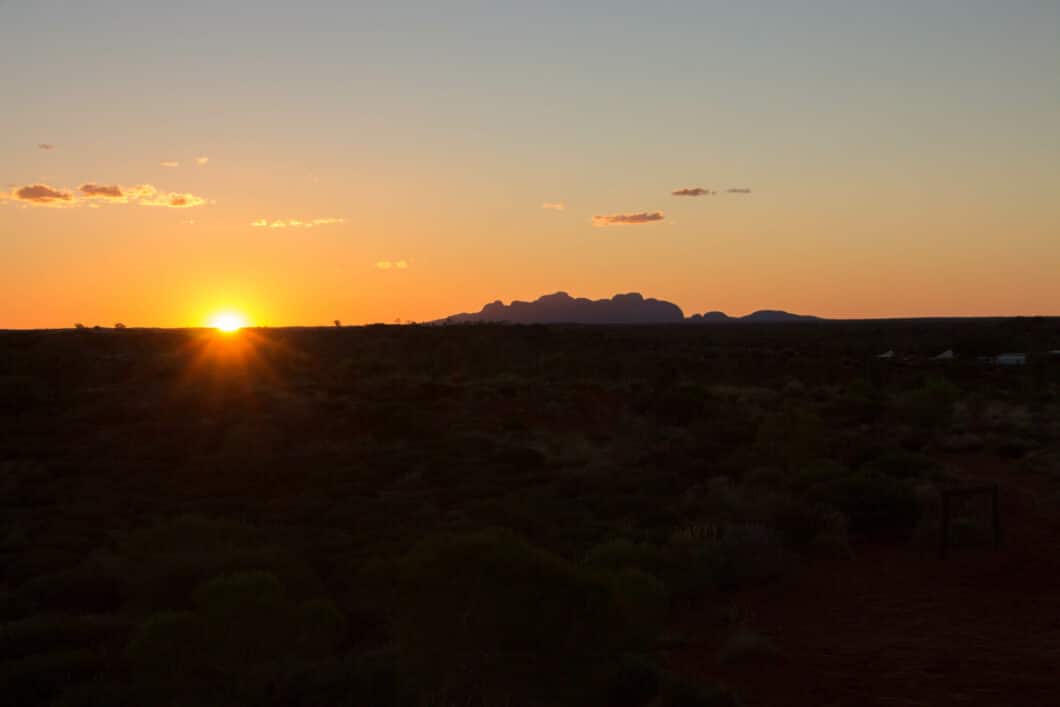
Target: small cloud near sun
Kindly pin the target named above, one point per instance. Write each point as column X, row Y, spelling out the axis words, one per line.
column 45, row 146
column 554, row 205
column 628, row 219
column 295, row 223
column 169, row 163
column 392, row 264
column 742, row 190
column 201, row 160
column 692, row 191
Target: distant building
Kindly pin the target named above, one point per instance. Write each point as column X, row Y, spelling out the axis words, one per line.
column 946, row 355
column 1011, row 359
column 886, row 354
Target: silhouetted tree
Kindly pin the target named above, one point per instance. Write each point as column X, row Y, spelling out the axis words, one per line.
column 79, row 325
column 338, row 323
column 119, row 325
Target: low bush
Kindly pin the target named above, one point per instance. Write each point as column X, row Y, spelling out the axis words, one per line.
column 876, row 506
column 487, row 616
column 680, row 693
column 747, row 646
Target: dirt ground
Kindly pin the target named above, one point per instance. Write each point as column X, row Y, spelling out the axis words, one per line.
column 899, row 626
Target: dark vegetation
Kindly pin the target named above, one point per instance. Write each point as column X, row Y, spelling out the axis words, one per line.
column 469, row 515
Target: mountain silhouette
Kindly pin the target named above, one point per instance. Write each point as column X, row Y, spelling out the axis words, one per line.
column 711, row 317
column 630, row 308
column 777, row 315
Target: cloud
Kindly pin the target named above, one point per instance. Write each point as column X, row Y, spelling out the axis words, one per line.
column 201, row 160
column 91, row 194
column 170, row 163
column 294, row 223
column 45, row 146
column 141, row 191
column 628, row 219
column 42, row 195
column 554, row 205
column 692, row 191
column 174, row 200
column 392, row 264
column 743, row 190
column 101, row 191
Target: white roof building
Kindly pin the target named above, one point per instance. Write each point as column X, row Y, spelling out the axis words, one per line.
column 1011, row 359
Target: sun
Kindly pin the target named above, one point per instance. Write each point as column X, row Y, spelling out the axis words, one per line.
column 228, row 322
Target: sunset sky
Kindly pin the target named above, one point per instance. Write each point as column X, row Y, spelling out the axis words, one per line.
column 301, row 162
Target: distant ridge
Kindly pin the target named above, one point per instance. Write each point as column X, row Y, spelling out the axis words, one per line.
column 561, row 308
column 630, row 308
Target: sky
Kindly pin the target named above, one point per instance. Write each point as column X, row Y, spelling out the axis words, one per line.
column 372, row 162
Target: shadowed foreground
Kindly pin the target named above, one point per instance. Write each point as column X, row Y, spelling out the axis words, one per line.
column 527, row 515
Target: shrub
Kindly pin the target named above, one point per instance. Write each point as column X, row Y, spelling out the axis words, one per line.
column 243, row 633
column 164, row 564
column 904, row 465
column 680, row 693
column 931, row 405
column 747, row 646
column 169, row 643
column 374, row 678
column 641, row 604
column 320, row 628
column 876, row 506
column 746, row 555
column 805, row 524
column 35, row 679
column 619, row 554
column 633, row 682
column 791, row 436
column 816, row 472
column 487, row 616
column 53, row 633
column 248, row 618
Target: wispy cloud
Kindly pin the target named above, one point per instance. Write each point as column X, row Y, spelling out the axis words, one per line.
column 201, row 160
column 628, row 219
column 169, row 163
column 174, row 200
column 742, row 190
column 295, row 223
column 392, row 265
column 554, row 205
column 692, row 191
column 92, row 195
column 45, row 146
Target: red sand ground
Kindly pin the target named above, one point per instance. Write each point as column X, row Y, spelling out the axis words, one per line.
column 898, row 626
